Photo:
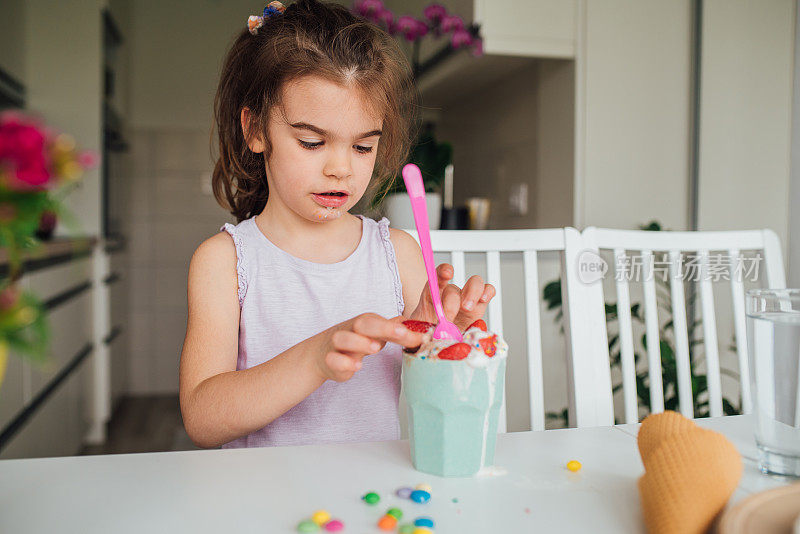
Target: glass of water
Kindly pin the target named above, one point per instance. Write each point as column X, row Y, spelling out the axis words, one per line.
column 773, row 338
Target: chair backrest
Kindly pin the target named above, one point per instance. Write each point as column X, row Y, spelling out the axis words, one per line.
column 491, row 243
column 626, row 247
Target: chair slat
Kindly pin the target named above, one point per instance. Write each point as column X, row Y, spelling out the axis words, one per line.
column 496, row 314
column 459, row 271
column 534, row 335
column 740, row 330
column 681, row 336
column 626, row 337
column 776, row 278
column 710, row 337
column 652, row 334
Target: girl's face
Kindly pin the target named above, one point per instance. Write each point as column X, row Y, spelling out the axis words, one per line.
column 323, row 149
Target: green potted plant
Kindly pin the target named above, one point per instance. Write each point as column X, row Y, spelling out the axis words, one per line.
column 432, row 157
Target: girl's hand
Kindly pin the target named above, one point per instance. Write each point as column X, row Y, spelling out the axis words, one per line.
column 461, row 306
column 349, row 342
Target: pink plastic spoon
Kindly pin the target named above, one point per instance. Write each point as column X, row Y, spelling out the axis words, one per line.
column 413, row 179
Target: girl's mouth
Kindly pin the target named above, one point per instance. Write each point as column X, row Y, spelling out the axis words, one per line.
column 331, row 199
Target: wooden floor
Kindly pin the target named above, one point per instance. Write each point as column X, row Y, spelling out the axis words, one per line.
column 144, row 424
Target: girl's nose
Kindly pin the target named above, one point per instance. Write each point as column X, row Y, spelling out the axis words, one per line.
column 338, row 164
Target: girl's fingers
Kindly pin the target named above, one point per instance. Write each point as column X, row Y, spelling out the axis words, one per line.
column 451, row 301
column 488, row 293
column 350, row 342
column 472, row 292
column 381, row 329
column 444, row 273
column 466, row 318
column 341, row 365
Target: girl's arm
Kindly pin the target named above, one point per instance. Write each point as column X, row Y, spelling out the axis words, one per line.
column 219, row 403
column 462, row 306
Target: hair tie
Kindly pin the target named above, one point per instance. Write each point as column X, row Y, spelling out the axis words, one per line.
column 254, row 22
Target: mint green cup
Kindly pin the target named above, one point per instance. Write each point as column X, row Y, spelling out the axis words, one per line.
column 453, row 411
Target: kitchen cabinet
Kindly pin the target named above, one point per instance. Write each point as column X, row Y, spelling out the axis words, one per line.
column 44, row 409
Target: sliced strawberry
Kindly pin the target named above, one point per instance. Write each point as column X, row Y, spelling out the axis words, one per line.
column 479, row 324
column 418, row 326
column 457, row 351
column 489, row 345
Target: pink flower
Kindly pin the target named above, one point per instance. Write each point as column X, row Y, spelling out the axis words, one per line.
column 461, row 38
column 34, row 176
column 452, row 22
column 385, row 17
column 422, row 29
column 23, row 153
column 409, row 27
column 88, row 159
column 435, row 13
column 367, row 8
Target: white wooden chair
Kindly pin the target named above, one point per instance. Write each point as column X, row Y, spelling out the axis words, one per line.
column 491, row 243
column 591, row 315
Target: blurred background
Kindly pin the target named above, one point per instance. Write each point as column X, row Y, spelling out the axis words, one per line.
column 610, row 113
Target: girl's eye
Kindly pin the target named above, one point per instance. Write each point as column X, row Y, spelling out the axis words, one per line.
column 310, row 146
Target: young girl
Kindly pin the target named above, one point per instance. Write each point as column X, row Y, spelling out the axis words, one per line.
column 295, row 314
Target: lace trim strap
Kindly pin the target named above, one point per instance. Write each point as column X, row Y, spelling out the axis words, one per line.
column 240, row 268
column 383, row 229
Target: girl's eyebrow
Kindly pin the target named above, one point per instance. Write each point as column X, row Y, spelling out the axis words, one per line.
column 320, row 131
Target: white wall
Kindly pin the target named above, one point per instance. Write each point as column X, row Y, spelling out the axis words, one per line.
column 63, row 79
column 745, row 115
column 12, row 38
column 793, row 254
column 176, row 50
column 635, row 59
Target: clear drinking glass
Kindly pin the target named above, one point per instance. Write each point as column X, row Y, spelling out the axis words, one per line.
column 773, row 335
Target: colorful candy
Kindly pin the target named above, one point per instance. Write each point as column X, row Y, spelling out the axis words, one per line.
column 387, row 522
column 321, row 517
column 406, row 529
column 422, row 530
column 420, row 496
column 307, row 526
column 397, row 513
column 334, row 525
column 423, row 487
column 371, row 498
column 423, row 522
column 403, row 493
column 574, row 466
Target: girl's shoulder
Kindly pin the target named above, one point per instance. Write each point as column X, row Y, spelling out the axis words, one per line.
column 221, row 256
column 409, row 265
column 217, row 252
column 404, row 244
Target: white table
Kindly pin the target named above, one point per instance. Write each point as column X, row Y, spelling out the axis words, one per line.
column 270, row 490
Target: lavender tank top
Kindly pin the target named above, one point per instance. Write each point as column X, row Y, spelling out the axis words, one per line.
column 284, row 300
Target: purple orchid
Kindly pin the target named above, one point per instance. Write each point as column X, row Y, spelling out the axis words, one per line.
column 368, row 8
column 461, row 38
column 435, row 13
column 409, row 27
column 386, row 18
column 452, row 23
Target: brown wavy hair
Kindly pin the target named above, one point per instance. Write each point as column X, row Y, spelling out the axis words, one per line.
column 309, row 38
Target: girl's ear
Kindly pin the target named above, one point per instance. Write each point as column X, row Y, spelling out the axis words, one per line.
column 255, row 142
